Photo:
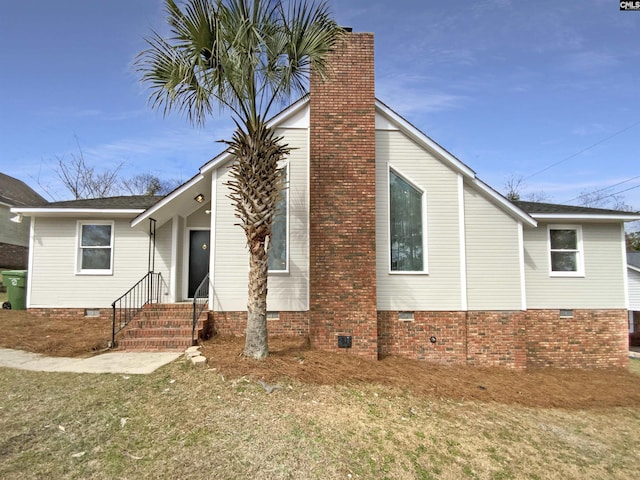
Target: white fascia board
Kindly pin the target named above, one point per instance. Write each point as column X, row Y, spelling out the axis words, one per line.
column 635, row 269
column 586, row 217
column 176, row 193
column 294, row 113
column 504, row 203
column 73, row 212
column 423, row 140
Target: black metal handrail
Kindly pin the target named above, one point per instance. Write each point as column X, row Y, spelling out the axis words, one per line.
column 147, row 290
column 200, row 300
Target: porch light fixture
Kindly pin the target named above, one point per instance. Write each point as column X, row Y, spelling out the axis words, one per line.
column 199, row 198
column 17, row 218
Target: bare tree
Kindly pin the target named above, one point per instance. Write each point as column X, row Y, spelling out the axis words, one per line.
column 602, row 199
column 148, row 184
column 83, row 180
column 514, row 186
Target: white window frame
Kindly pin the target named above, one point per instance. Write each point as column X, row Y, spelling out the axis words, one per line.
column 78, row 267
column 425, row 259
column 579, row 251
column 287, row 244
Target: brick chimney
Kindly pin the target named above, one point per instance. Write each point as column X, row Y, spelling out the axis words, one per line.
column 342, row 284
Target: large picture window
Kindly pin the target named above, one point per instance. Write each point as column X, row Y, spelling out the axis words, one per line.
column 565, row 251
column 406, row 225
column 277, row 254
column 95, row 247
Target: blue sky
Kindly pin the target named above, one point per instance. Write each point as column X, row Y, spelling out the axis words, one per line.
column 546, row 90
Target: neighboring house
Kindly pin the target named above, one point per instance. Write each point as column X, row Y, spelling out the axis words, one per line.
column 14, row 229
column 633, row 273
column 387, row 240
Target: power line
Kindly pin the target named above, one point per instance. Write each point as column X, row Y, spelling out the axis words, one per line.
column 583, row 150
column 621, row 191
column 606, row 188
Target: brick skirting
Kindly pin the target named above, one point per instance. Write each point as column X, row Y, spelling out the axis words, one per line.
column 288, row 324
column 77, row 313
column 531, row 339
column 511, row 339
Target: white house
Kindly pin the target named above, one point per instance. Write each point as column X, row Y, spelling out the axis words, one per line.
column 388, row 245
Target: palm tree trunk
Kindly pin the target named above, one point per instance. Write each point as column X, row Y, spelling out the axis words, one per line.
column 256, row 343
column 255, row 187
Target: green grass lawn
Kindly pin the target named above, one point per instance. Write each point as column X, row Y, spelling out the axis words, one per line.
column 185, row 423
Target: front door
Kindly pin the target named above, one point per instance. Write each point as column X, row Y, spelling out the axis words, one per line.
column 198, row 258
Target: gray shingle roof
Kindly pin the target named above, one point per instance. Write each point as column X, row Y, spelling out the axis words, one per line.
column 134, row 202
column 16, row 193
column 533, row 208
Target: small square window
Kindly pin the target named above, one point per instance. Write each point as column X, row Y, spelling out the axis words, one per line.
column 95, row 248
column 566, row 313
column 565, row 250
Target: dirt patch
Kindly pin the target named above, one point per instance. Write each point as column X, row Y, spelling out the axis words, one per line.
column 60, row 337
column 293, row 359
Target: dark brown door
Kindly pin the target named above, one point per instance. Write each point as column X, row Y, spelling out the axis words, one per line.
column 198, row 258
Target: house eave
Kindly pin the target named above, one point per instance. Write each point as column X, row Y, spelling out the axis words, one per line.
column 162, row 212
column 78, row 212
column 585, row 217
column 635, row 269
column 505, row 204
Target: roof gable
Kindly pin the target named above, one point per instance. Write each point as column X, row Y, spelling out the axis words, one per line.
column 297, row 116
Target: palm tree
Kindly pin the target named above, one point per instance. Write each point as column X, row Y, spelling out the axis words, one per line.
column 247, row 56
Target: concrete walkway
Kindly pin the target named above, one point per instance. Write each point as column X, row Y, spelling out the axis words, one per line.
column 111, row 362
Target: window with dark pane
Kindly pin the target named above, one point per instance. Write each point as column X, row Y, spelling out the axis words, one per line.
column 564, row 250
column 405, row 212
column 95, row 245
column 277, row 254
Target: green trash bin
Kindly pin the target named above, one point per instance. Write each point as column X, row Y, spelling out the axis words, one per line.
column 15, row 281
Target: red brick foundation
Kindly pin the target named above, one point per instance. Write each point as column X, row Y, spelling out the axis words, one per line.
column 412, row 339
column 531, row 339
column 591, row 339
column 509, row 339
column 77, row 313
column 288, row 324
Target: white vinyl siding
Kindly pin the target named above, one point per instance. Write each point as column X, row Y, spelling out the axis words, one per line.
column 163, row 260
column 602, row 286
column 440, row 288
column 288, row 291
column 493, row 257
column 634, row 289
column 54, row 282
